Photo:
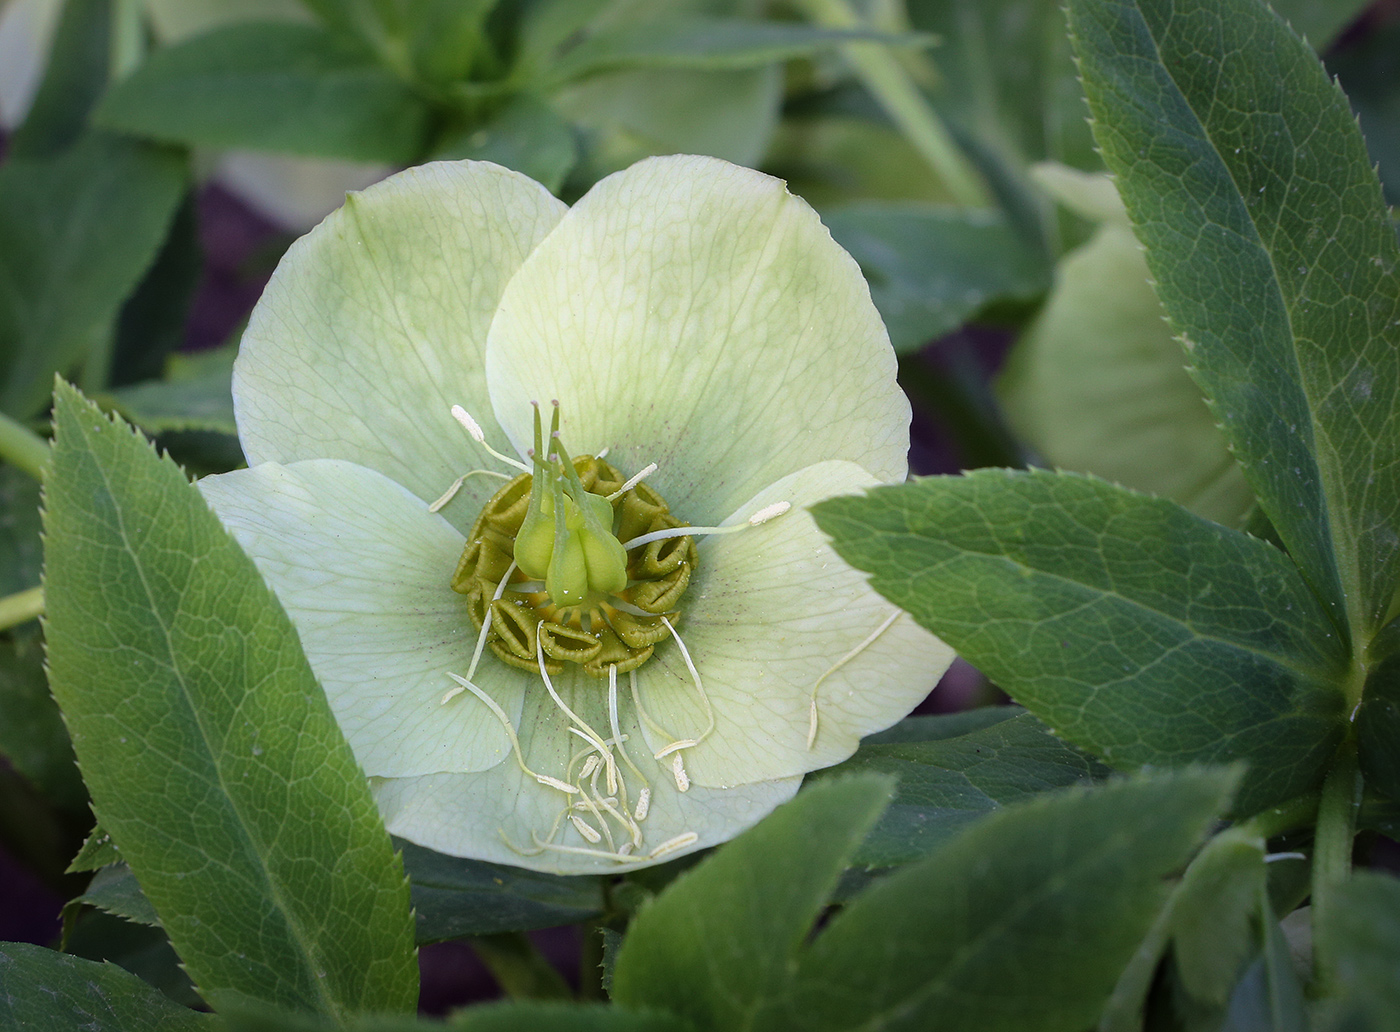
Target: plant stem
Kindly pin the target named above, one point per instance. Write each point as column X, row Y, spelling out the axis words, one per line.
column 891, row 85
column 1289, row 816
column 521, row 970
column 21, row 607
column 22, row 447
column 1336, row 828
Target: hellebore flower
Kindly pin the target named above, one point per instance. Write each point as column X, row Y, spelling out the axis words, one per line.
column 602, row 689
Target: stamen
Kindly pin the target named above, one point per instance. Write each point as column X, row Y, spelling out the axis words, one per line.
column 684, row 743
column 479, row 436
column 631, row 482
column 585, row 829
column 543, row 779
column 480, row 638
column 589, row 766
column 451, row 492
column 759, row 518
column 870, row 640
column 618, row 736
column 643, row 805
column 688, row 838
column 678, row 771
column 588, row 733
column 600, row 853
column 699, row 688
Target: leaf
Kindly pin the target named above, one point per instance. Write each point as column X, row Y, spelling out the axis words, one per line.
column 1363, row 932
column 74, row 78
column 44, row 991
column 1378, row 728
column 946, row 784
column 1214, row 913
column 143, row 950
column 1368, row 68
column 1100, row 346
column 719, row 943
column 1007, row 77
column 931, row 269
column 198, row 395
column 527, row 136
column 203, row 735
column 1234, row 151
column 152, row 323
column 1134, row 629
column 115, row 890
column 706, row 44
column 98, row 852
column 1319, row 21
column 32, row 736
column 628, row 115
column 454, row 898
column 1024, row 921
column 76, row 234
column 21, row 552
column 1269, row 998
column 273, row 86
column 529, row 1016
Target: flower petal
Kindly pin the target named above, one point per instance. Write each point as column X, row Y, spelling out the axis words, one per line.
column 362, row 568
column 695, row 314
column 374, row 325
column 770, row 614
column 473, row 815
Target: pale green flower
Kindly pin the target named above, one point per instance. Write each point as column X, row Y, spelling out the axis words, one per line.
column 687, row 313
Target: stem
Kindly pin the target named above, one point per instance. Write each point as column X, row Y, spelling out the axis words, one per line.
column 890, row 84
column 1296, row 813
column 521, row 970
column 1336, row 827
column 22, row 447
column 21, row 607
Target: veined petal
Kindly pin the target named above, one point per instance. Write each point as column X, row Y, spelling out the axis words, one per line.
column 768, row 620
column 374, row 325
column 473, row 815
column 363, row 568
column 695, row 314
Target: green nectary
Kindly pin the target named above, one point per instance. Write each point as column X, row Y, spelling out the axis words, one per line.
column 618, row 628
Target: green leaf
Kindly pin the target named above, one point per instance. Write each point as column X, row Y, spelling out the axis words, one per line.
column 98, row 852
column 1269, row 998
column 1368, row 68
column 1378, row 728
column 74, row 79
column 144, row 950
column 1022, row 922
column 21, row 551
column 1319, row 20
column 1214, row 913
column 1363, row 930
column 32, row 736
column 706, row 44
column 527, row 136
column 1136, row 630
column 719, row 944
column 628, row 115
column 1233, row 150
column 76, row 234
column 931, row 269
column 272, row 86
column 202, row 733
column 454, row 898
column 1100, row 346
column 946, row 784
column 528, row 1016
column 44, row 991
column 197, row 395
column 115, row 890
column 1007, row 77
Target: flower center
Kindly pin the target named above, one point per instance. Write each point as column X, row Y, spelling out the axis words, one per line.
column 545, row 560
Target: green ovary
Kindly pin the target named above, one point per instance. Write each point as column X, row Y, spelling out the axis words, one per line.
column 575, row 592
